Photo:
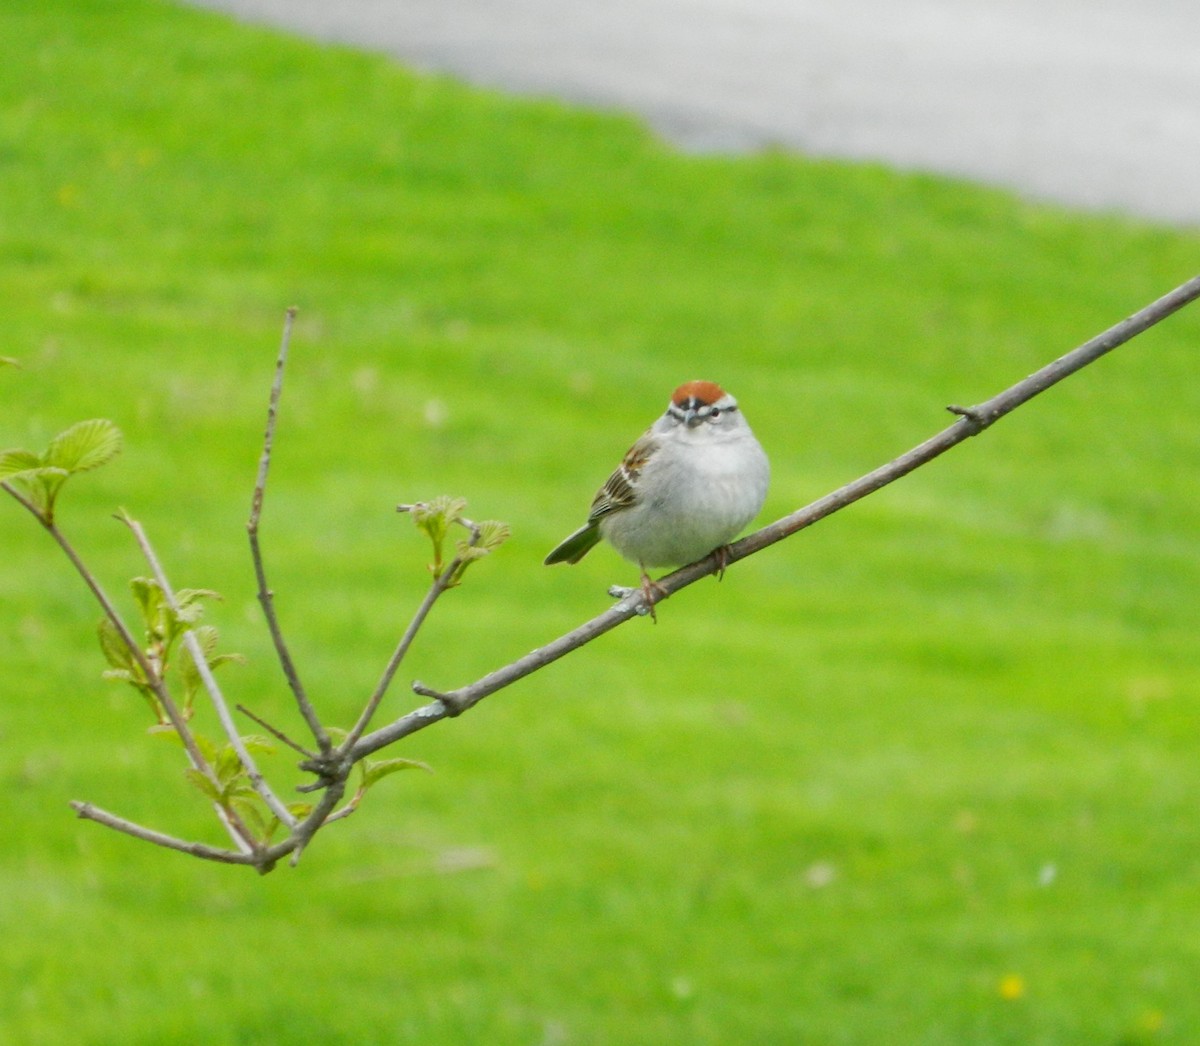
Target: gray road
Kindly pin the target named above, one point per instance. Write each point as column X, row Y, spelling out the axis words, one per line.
column 1094, row 103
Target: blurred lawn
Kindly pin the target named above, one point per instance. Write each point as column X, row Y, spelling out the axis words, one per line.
column 925, row 774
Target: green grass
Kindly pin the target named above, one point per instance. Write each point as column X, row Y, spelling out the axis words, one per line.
column 940, row 747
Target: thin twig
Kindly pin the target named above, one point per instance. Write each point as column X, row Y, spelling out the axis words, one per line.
column 275, row 732
column 90, row 812
column 972, row 421
column 265, row 596
column 237, row 831
column 257, row 781
column 440, row 584
column 316, row 820
column 264, row 858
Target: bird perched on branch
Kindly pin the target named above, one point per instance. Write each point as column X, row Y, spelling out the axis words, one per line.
column 685, row 488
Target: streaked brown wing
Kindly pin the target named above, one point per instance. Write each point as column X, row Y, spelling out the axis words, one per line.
column 620, row 489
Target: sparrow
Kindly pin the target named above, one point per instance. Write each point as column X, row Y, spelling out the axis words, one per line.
column 685, row 489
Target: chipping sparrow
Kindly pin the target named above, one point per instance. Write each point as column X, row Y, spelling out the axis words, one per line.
column 685, row 489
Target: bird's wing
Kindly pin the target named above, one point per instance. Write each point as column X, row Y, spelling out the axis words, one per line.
column 620, row 489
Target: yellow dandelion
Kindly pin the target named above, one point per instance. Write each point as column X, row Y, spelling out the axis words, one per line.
column 1151, row 1022
column 1011, row 987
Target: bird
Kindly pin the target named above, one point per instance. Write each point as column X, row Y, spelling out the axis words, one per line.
column 684, row 490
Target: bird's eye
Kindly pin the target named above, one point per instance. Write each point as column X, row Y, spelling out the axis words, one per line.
column 714, row 414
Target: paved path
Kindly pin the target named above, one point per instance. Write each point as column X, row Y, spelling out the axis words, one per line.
column 1094, row 103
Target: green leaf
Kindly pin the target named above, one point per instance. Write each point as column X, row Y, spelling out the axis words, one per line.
column 8, row 361
column 492, row 533
column 468, row 553
column 377, row 769
column 435, row 518
column 485, row 538
column 228, row 766
column 190, row 607
column 298, row 810
column 222, row 659
column 114, row 648
column 257, row 744
column 15, row 462
column 203, row 784
column 189, row 674
column 206, row 636
column 40, row 484
column 207, row 749
column 149, row 599
column 253, row 814
column 85, row 445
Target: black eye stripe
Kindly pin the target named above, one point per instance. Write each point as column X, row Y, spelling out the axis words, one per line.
column 710, row 410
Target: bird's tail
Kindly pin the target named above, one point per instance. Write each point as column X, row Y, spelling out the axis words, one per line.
column 578, row 545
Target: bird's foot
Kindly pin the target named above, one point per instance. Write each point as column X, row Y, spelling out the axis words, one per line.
column 721, row 554
column 652, row 592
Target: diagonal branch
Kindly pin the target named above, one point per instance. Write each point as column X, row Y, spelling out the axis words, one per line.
column 257, row 781
column 264, row 858
column 237, row 831
column 265, row 596
column 90, row 812
column 971, row 422
column 440, row 583
column 154, row 680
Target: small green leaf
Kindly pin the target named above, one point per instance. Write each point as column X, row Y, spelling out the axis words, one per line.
column 492, row 533
column 217, row 660
column 435, row 518
column 207, row 749
column 376, row 770
column 298, row 810
column 206, row 636
column 188, row 601
column 203, row 784
column 149, row 599
column 85, row 445
column 228, row 766
column 15, row 462
column 257, row 744
column 190, row 679
column 8, row 361
column 41, row 484
column 468, row 553
column 115, row 650
column 252, row 813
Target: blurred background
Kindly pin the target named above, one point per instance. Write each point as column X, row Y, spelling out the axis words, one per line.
column 1092, row 104
column 925, row 773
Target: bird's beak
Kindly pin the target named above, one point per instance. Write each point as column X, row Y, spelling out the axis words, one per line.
column 692, row 417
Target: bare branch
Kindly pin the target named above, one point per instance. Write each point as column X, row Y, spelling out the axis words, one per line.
column 275, row 732
column 440, row 584
column 265, row 596
column 257, row 781
column 264, row 859
column 972, row 421
column 90, row 812
column 240, row 835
